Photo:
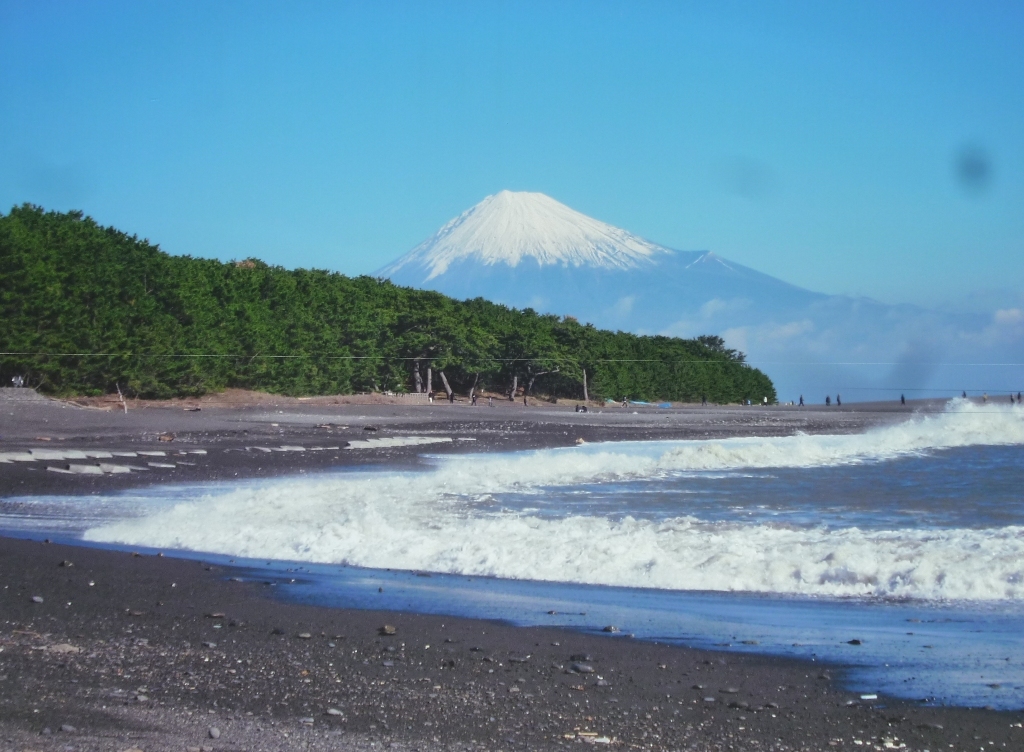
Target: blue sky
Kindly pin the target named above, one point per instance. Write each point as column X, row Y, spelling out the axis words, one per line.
column 869, row 148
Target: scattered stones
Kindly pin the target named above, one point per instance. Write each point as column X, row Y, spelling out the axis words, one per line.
column 66, row 563
column 387, row 630
column 214, row 732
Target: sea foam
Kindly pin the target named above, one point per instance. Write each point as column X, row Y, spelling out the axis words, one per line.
column 450, row 519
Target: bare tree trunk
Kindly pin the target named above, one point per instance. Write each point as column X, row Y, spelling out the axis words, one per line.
column 430, row 380
column 586, row 397
column 444, row 381
column 121, row 397
column 472, row 389
column 512, row 392
column 416, row 377
column 533, row 377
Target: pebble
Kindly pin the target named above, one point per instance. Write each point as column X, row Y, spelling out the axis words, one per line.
column 214, row 732
column 209, row 644
column 729, row 691
column 141, row 698
column 854, row 642
column 66, row 563
column 67, row 728
column 387, row 629
column 334, row 711
column 304, row 635
column 610, row 628
column 306, row 721
column 581, row 657
column 582, row 668
column 37, row 599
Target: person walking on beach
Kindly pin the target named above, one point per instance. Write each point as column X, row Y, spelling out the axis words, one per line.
column 430, row 397
column 903, row 400
column 801, row 400
column 703, row 400
column 984, row 398
column 839, row 401
column 964, row 395
column 472, row 400
column 490, row 401
column 828, row 401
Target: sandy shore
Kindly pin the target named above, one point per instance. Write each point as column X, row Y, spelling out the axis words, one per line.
column 119, row 651
column 239, row 435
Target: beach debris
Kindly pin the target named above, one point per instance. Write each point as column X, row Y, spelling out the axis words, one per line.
column 209, row 644
column 37, row 599
column 165, row 437
column 214, row 732
column 611, row 628
column 387, row 630
column 304, row 635
column 854, row 642
column 334, row 712
column 869, row 697
column 67, row 728
column 63, row 648
column 582, row 668
column 66, row 563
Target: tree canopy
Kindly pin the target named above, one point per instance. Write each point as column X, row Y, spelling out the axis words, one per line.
column 89, row 309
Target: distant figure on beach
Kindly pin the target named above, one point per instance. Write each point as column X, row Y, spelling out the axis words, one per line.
column 801, row 400
column 1018, row 398
column 903, row 400
column 624, row 402
column 765, row 403
column 451, row 398
column 964, row 395
column 524, row 400
column 828, row 400
column 490, row 401
column 984, row 398
column 703, row 400
column 839, row 401
column 472, row 400
column 430, row 397
column 17, row 382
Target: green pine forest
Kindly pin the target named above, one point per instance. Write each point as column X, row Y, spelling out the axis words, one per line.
column 89, row 309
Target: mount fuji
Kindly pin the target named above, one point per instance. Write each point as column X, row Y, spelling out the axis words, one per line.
column 527, row 250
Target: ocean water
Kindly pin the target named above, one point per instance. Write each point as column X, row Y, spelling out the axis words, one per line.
column 909, row 538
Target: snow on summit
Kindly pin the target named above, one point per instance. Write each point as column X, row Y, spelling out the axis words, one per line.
column 510, row 227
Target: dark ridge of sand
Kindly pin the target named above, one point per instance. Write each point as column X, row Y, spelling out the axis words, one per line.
column 151, row 653
column 229, row 434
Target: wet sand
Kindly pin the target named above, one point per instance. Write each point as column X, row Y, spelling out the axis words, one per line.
column 157, row 651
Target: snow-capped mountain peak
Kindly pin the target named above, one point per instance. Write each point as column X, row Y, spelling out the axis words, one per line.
column 511, row 227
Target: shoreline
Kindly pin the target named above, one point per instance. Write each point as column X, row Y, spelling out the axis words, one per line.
column 245, row 440
column 207, row 650
column 202, row 649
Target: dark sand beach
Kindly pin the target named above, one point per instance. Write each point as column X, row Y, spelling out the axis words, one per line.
column 106, row 650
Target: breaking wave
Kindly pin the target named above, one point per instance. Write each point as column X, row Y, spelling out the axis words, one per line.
column 451, row 519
